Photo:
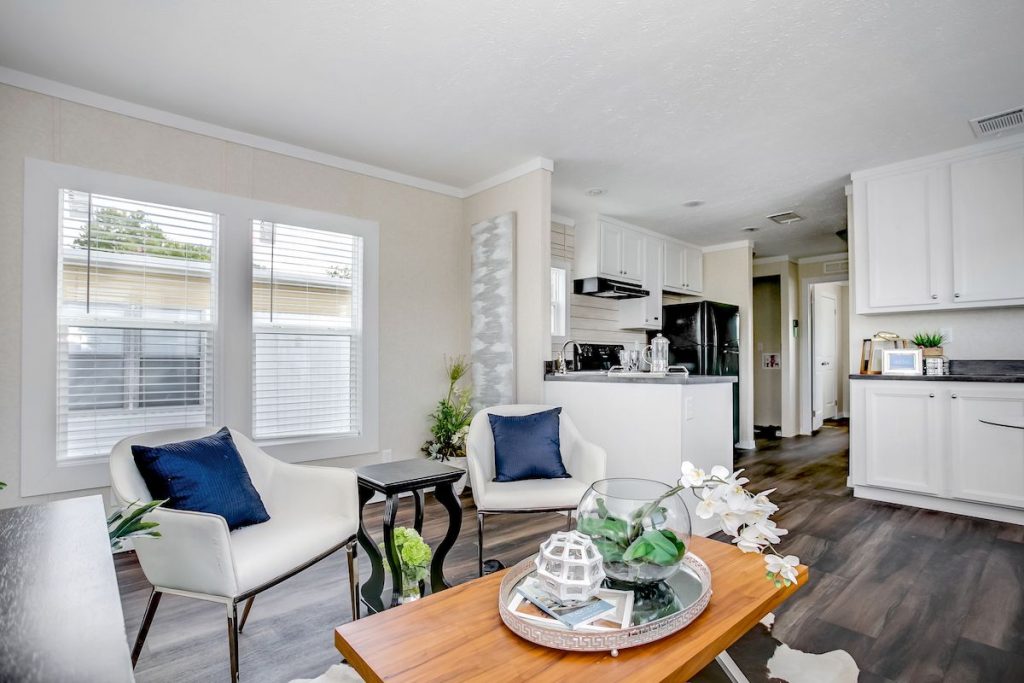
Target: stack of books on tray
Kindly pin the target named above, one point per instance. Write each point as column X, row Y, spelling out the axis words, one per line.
column 609, row 610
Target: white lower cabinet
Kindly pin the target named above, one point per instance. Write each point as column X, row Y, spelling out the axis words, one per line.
column 987, row 461
column 901, row 447
column 930, row 443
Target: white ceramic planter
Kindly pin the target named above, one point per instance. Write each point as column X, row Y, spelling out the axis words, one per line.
column 462, row 483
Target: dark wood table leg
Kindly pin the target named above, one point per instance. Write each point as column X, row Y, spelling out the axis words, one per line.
column 390, row 552
column 445, row 494
column 417, row 520
column 373, row 587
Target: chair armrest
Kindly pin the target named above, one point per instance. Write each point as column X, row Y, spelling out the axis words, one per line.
column 193, row 553
column 590, row 462
column 311, row 489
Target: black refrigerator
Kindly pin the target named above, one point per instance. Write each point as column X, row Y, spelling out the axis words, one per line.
column 704, row 337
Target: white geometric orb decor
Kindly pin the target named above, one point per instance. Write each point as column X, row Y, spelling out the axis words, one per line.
column 569, row 566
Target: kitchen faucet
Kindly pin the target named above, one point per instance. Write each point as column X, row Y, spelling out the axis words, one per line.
column 561, row 355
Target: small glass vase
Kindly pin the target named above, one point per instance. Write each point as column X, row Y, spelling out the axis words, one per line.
column 410, row 589
column 633, row 505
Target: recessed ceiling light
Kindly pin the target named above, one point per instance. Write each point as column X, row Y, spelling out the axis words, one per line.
column 595, row 191
column 750, row 228
column 785, row 217
column 693, row 203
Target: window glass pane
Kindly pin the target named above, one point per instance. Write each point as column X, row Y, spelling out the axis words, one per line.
column 558, row 302
column 306, row 323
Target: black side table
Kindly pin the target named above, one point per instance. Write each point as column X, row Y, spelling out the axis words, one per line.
column 392, row 479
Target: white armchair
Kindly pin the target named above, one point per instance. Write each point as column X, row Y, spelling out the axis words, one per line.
column 314, row 511
column 584, row 461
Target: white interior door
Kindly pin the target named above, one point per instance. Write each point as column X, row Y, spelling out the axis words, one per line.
column 826, row 327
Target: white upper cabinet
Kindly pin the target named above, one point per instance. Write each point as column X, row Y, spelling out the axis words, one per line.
column 684, row 268
column 988, row 227
column 610, row 253
column 619, row 251
column 645, row 313
column 632, row 255
column 941, row 232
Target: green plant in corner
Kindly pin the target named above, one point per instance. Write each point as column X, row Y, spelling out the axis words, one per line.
column 450, row 420
column 929, row 340
column 128, row 522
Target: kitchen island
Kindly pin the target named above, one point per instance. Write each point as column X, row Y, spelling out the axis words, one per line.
column 650, row 425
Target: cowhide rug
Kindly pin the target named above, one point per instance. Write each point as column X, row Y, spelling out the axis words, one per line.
column 761, row 657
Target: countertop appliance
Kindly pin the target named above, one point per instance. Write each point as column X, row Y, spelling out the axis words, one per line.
column 608, row 289
column 596, row 356
column 704, row 337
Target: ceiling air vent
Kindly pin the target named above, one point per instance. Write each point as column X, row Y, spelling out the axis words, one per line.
column 995, row 124
column 785, row 217
column 830, row 267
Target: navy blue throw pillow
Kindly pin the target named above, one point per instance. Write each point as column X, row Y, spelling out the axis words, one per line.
column 203, row 475
column 527, row 446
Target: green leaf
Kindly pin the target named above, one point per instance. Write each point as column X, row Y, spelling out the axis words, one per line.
column 611, row 552
column 656, row 546
column 611, row 528
column 602, row 509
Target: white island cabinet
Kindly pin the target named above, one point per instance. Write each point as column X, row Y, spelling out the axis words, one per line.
column 650, row 426
column 940, row 444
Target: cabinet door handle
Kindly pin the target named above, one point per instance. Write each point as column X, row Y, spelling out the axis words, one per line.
column 935, row 296
column 954, row 395
column 655, row 317
column 931, row 395
column 956, row 295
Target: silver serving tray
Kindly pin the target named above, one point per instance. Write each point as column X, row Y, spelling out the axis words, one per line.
column 692, row 587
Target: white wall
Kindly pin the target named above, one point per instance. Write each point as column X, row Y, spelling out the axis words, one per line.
column 424, row 256
column 529, row 196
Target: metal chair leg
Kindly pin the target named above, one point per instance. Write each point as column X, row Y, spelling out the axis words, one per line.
column 352, row 550
column 245, row 613
column 233, row 639
column 147, row 621
column 480, row 542
column 568, row 520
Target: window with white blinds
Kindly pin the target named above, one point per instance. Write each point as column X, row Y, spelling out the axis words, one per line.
column 136, row 319
column 307, row 331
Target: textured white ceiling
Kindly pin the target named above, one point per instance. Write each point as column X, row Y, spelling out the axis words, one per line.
column 754, row 107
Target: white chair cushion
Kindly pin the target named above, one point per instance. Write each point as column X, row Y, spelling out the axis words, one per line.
column 533, row 494
column 263, row 552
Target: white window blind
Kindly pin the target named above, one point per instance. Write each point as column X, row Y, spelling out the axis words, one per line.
column 136, row 320
column 307, row 331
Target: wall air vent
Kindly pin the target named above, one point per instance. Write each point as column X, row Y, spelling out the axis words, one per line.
column 830, row 267
column 785, row 217
column 997, row 124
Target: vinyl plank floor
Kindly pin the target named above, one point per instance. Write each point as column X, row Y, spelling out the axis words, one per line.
column 913, row 595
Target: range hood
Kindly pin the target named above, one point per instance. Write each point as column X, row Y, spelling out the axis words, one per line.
column 608, row 289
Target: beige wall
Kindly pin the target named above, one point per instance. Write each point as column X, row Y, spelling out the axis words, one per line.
column 728, row 276
column 529, row 196
column 424, row 257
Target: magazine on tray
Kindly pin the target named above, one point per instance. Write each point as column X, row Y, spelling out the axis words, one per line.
column 609, row 610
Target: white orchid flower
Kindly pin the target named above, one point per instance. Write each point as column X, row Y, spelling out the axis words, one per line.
column 720, row 472
column 731, row 522
column 692, row 476
column 709, row 504
column 750, row 540
column 768, row 530
column 784, row 567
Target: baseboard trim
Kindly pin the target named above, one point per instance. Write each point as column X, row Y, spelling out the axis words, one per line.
column 956, row 507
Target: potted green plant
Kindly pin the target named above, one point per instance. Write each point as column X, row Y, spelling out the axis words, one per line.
column 449, row 422
column 930, row 343
column 414, row 560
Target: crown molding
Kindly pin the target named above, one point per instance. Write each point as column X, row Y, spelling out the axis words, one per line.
column 841, row 256
column 563, row 220
column 771, row 259
column 728, row 245
column 45, row 86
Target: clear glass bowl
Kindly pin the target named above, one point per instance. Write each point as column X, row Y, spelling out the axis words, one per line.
column 636, row 528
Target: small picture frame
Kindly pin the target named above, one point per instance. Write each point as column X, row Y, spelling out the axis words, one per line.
column 902, row 362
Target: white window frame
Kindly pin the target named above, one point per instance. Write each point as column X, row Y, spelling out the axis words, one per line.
column 41, row 472
column 566, row 267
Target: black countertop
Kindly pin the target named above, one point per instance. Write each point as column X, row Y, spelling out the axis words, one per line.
column 1006, row 371
column 671, row 378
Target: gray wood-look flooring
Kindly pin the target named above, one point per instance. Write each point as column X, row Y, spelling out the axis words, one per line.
column 912, row 595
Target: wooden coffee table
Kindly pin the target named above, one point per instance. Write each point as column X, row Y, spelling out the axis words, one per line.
column 457, row 635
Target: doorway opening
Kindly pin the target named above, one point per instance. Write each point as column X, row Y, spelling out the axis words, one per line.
column 829, row 352
column 768, row 331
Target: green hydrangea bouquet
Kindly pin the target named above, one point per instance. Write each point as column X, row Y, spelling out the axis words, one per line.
column 413, row 557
